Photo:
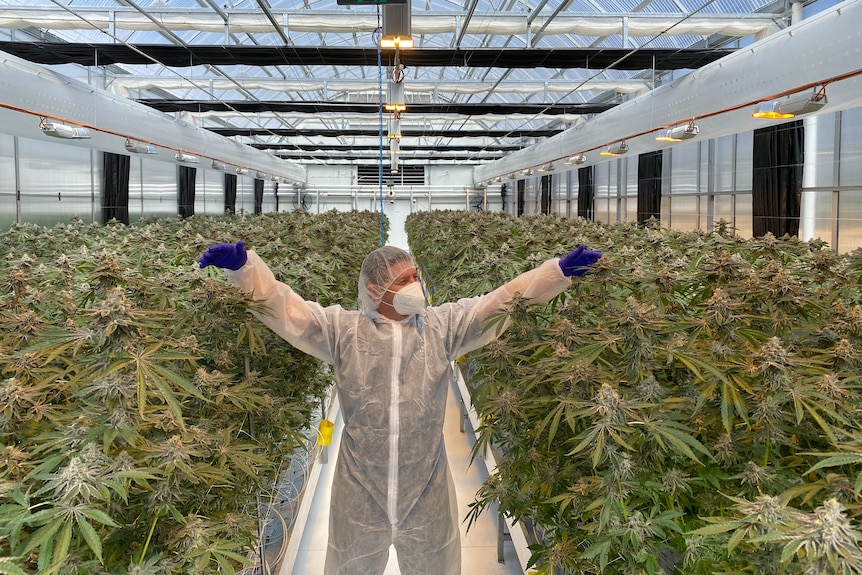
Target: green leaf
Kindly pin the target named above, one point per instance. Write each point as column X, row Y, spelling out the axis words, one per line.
column 61, row 551
column 836, row 460
column 716, row 528
column 100, row 517
column 8, row 567
column 90, row 536
column 42, row 535
column 735, row 539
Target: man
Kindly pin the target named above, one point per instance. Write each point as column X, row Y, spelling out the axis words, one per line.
column 392, row 362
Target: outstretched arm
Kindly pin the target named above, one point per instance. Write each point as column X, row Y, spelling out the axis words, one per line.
column 301, row 323
column 537, row 286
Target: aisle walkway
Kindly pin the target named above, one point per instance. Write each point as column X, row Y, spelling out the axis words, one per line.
column 479, row 546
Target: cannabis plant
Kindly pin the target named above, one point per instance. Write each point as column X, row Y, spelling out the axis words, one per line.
column 689, row 406
column 142, row 408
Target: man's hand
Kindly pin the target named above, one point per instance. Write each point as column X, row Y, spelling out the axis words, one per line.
column 579, row 261
column 226, row 256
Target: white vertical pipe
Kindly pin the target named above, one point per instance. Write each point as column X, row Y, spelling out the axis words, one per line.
column 796, row 13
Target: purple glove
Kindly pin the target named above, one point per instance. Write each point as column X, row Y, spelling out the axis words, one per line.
column 227, row 256
column 578, row 261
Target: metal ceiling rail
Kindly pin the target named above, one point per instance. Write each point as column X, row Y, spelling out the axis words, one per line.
column 290, row 148
column 164, row 105
column 89, row 54
column 349, row 133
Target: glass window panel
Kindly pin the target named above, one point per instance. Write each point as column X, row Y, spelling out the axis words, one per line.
column 631, row 189
column 603, row 179
column 269, row 197
column 632, row 210
column 724, row 164
column 209, row 192
column 601, row 211
column 704, row 175
column 612, row 210
column 683, row 165
column 722, row 209
column 744, row 217
column 8, row 210
column 152, row 190
column 683, row 214
column 850, row 168
column 819, row 166
column 244, row 195
column 850, row 218
column 744, row 161
column 55, row 182
column 821, row 216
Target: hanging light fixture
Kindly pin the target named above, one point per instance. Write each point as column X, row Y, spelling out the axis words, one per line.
column 397, row 26
column 58, row 130
column 241, row 171
column 792, row 105
column 575, row 160
column 549, row 167
column 527, row 172
column 617, row 149
column 395, row 100
column 219, row 166
column 186, row 158
column 678, row 133
column 394, row 128
column 139, row 147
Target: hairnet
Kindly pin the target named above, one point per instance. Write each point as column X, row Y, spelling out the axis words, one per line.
column 378, row 271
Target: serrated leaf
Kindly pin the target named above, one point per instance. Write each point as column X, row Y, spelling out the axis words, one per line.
column 90, row 536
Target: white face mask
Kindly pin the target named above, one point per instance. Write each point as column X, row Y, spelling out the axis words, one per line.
column 409, row 300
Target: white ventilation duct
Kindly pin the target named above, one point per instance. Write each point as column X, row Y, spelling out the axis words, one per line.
column 29, row 92
column 354, row 21
column 788, row 60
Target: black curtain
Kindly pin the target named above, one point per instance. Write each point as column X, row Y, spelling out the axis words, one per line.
column 115, row 188
column 545, row 191
column 503, row 193
column 522, row 184
column 258, row 196
column 187, row 177
column 649, row 186
column 586, row 193
column 275, row 192
column 230, row 193
column 777, row 179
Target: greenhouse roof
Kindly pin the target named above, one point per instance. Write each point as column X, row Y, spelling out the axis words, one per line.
column 305, row 78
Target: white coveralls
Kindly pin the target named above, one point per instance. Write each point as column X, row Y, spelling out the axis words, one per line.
column 392, row 483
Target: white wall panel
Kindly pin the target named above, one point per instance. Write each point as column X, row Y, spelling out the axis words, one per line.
column 850, row 218
column 8, row 211
column 57, row 182
column 152, row 190
column 850, row 173
column 209, row 192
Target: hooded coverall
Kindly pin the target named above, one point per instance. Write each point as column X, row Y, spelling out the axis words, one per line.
column 392, row 484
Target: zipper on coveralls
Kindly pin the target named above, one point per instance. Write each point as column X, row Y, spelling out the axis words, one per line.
column 394, row 428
